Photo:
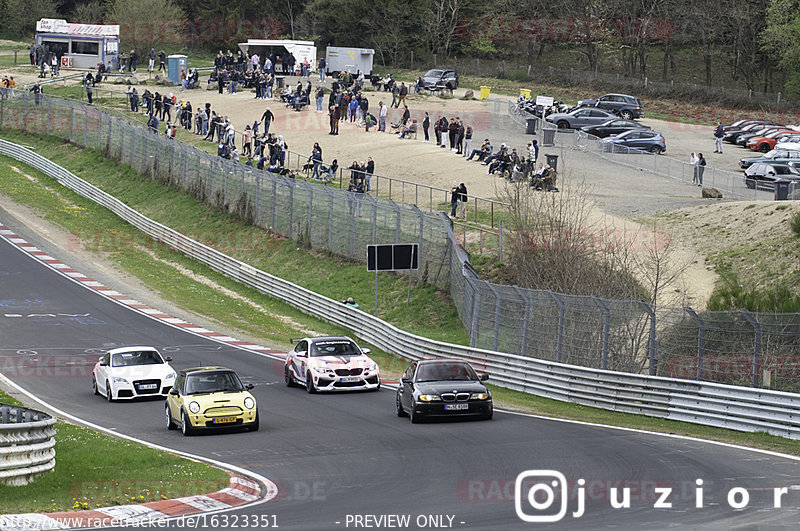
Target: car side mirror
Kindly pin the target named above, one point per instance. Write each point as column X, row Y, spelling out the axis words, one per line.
column 366, row 350
column 302, row 354
column 484, row 377
column 168, row 359
column 102, row 363
column 405, row 380
column 173, row 392
column 249, row 386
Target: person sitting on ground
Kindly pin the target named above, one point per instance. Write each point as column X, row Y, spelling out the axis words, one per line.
column 502, row 162
column 412, row 129
column 490, row 158
column 484, row 151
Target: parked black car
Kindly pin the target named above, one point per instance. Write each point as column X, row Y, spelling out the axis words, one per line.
column 613, row 127
column 764, row 174
column 745, row 137
column 733, row 131
column 443, row 388
column 627, row 107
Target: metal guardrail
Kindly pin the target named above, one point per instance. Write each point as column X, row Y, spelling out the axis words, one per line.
column 27, row 444
column 725, row 406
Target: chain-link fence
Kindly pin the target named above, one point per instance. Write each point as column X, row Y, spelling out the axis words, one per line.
column 739, row 348
column 322, row 217
column 752, row 349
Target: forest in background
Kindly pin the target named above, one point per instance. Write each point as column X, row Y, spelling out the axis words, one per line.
column 746, row 44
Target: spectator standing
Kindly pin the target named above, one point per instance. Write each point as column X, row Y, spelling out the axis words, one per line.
column 87, row 82
column 320, row 96
column 458, row 195
column 151, row 60
column 719, row 132
column 701, row 167
column 321, row 65
column 370, row 169
column 395, row 93
column 162, row 61
column 267, row 118
column 402, row 94
column 693, row 162
column 133, row 59
column 426, row 123
column 32, row 53
column 467, row 140
column 247, row 141
column 460, row 133
column 316, row 160
column 382, row 114
column 333, row 114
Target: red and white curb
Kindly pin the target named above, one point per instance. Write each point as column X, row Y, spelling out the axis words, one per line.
column 125, row 300
column 240, row 492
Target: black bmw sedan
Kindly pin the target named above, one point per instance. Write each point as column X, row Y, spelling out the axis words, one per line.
column 443, row 388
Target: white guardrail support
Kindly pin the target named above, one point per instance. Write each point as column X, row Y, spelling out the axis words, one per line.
column 698, row 402
column 27, row 444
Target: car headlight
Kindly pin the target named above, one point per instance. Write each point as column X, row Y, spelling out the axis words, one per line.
column 322, row 370
column 170, row 376
column 373, row 367
column 479, row 396
column 119, row 380
column 249, row 403
column 194, row 407
column 429, row 398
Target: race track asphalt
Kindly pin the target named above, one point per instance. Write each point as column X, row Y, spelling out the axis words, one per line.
column 335, row 457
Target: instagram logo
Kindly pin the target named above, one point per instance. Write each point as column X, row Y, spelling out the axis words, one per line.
column 540, row 488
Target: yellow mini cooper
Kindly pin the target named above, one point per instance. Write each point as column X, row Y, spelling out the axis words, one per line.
column 210, row 398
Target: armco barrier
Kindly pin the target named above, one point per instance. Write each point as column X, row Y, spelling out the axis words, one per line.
column 27, row 446
column 698, row 402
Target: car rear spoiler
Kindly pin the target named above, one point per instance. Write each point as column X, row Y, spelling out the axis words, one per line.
column 294, row 340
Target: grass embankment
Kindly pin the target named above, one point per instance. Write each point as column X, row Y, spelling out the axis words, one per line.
column 88, row 469
column 430, row 314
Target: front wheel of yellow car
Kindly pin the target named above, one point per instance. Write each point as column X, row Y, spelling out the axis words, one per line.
column 170, row 423
column 254, row 425
column 186, row 426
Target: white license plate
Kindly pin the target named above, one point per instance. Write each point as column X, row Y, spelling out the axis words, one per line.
column 346, row 379
column 147, row 387
column 455, row 407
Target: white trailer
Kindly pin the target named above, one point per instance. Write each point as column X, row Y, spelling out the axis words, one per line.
column 353, row 60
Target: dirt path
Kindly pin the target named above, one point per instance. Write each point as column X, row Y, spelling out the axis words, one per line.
column 628, row 197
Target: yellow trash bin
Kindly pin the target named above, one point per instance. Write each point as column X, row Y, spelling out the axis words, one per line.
column 485, row 92
column 525, row 93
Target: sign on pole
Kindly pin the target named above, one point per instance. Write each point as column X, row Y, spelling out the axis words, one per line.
column 392, row 257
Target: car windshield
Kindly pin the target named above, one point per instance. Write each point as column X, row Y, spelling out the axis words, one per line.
column 434, row 73
column 129, row 359
column 342, row 347
column 445, row 371
column 213, row 382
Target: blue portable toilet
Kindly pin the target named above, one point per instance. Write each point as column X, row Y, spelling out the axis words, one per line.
column 175, row 65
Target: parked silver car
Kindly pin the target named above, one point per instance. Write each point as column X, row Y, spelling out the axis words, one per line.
column 580, row 118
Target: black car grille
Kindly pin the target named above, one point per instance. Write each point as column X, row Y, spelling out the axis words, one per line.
column 348, row 372
column 453, row 397
column 348, row 384
column 154, row 387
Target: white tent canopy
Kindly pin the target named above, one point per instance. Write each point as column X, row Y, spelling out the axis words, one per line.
column 300, row 49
